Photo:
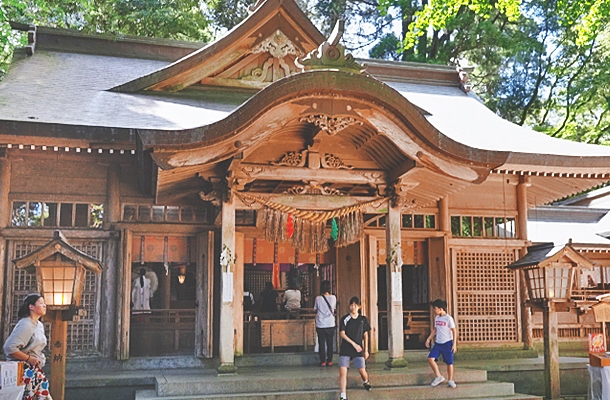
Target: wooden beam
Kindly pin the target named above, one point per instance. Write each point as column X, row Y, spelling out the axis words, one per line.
column 403, row 170
column 321, row 176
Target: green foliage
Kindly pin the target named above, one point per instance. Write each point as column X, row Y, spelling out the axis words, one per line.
column 175, row 19
column 387, row 48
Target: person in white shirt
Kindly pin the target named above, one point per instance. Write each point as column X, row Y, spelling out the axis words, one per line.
column 325, row 306
column 445, row 344
column 292, row 297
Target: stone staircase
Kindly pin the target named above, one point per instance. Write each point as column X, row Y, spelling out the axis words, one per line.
column 316, row 383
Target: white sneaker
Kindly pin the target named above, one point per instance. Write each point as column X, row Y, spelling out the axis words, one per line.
column 437, row 381
column 451, row 384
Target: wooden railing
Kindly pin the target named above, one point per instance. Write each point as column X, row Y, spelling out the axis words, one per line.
column 416, row 327
column 161, row 332
column 266, row 331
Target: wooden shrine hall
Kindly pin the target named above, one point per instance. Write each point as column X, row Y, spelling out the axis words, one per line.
column 194, row 172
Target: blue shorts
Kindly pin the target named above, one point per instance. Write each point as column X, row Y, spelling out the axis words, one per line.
column 344, row 361
column 443, row 349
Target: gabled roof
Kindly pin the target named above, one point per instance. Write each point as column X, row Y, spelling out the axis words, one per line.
column 60, row 245
column 277, row 30
column 412, row 114
column 547, row 253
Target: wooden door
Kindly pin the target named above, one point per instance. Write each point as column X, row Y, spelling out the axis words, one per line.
column 204, row 293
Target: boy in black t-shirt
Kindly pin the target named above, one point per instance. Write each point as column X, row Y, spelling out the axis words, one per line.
column 354, row 330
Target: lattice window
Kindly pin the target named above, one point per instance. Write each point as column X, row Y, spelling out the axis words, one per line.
column 82, row 337
column 486, row 297
column 255, row 280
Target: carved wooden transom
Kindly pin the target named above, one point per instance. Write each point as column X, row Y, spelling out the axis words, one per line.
column 330, row 125
column 312, row 159
column 315, row 188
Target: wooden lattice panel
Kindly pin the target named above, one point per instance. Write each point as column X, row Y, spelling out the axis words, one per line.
column 486, row 297
column 82, row 335
column 255, row 280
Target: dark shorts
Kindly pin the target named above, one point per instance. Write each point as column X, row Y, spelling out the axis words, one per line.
column 443, row 349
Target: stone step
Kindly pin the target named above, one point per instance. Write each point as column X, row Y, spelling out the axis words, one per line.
column 302, row 379
column 481, row 390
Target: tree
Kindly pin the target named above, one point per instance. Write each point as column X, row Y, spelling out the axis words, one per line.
column 175, row 19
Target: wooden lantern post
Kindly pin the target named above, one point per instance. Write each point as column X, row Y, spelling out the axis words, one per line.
column 60, row 275
column 549, row 272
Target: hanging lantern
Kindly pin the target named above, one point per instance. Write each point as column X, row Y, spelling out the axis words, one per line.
column 60, row 272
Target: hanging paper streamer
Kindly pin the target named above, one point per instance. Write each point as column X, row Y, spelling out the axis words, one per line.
column 290, row 226
column 307, row 229
column 165, row 255
column 334, row 230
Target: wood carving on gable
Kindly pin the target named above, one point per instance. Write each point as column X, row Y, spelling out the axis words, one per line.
column 278, row 53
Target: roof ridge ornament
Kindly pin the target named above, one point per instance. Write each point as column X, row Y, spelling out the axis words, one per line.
column 253, row 7
column 330, row 54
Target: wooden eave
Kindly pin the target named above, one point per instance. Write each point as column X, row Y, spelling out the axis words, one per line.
column 54, row 134
column 291, row 97
column 58, row 245
column 180, row 161
column 201, row 64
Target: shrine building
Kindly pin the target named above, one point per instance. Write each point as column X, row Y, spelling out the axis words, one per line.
column 271, row 155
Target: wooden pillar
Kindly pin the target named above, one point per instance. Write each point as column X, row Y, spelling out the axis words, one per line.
column 124, row 296
column 59, row 338
column 551, row 353
column 108, row 316
column 112, row 209
column 444, row 220
column 526, row 315
column 5, row 188
column 524, row 182
column 205, row 295
column 394, row 288
column 238, row 295
column 373, row 312
column 5, row 219
column 227, row 333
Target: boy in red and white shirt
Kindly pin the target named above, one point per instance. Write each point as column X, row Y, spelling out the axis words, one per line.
column 445, row 344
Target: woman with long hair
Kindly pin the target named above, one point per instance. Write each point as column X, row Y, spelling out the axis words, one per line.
column 26, row 343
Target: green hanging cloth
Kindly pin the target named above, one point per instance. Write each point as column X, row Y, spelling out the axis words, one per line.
column 334, row 230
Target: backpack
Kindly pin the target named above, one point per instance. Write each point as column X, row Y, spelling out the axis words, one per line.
column 248, row 302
